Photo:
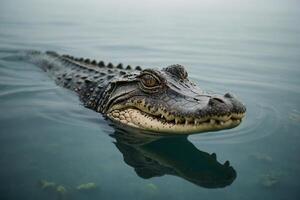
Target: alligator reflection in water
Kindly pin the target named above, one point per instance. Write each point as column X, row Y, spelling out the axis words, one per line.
column 152, row 156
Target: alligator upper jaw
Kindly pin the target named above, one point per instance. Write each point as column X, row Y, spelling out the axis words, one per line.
column 135, row 118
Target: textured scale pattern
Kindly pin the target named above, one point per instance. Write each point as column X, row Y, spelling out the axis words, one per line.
column 87, row 77
column 151, row 99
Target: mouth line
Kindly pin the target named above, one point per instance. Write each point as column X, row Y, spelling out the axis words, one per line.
column 137, row 118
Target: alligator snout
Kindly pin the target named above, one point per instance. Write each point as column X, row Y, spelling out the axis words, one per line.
column 226, row 104
column 219, row 108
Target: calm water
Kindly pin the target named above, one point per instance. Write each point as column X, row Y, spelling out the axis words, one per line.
column 251, row 49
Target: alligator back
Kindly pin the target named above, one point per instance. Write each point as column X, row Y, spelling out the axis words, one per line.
column 88, row 78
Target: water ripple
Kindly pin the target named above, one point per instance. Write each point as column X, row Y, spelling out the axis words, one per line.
column 261, row 123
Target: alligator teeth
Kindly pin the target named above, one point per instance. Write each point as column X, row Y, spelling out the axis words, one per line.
column 237, row 115
column 115, row 114
column 170, row 117
column 139, row 118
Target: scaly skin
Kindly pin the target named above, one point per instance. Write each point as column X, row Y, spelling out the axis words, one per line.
column 157, row 101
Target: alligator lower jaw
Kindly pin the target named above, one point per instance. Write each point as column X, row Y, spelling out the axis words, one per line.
column 135, row 118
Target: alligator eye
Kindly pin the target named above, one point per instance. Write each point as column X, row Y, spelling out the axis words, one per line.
column 149, row 80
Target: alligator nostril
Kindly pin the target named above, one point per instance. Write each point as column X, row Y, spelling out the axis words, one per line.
column 218, row 99
column 214, row 101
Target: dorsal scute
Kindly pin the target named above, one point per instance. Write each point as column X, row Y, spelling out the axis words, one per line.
column 128, row 67
column 101, row 64
column 81, row 62
column 138, row 68
column 110, row 65
column 120, row 66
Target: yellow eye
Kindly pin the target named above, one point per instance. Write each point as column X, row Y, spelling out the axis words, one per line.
column 149, row 80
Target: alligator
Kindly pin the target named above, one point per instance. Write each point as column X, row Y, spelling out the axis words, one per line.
column 156, row 101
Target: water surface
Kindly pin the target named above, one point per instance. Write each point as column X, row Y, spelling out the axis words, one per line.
column 251, row 49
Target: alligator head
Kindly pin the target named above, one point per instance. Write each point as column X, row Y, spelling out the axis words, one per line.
column 166, row 101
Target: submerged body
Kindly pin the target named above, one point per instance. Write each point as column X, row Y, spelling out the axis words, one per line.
column 162, row 101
